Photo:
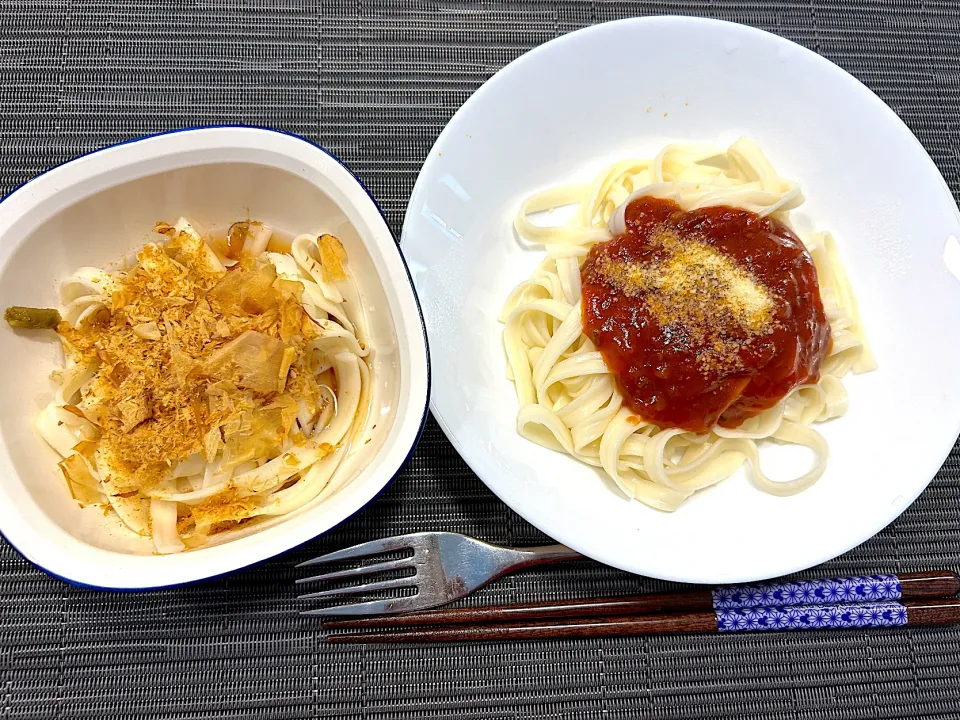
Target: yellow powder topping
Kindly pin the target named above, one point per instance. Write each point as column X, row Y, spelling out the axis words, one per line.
column 690, row 285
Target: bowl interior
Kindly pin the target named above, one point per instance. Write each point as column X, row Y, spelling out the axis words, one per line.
column 108, row 224
column 590, row 98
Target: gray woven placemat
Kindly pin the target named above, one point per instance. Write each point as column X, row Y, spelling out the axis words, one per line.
column 374, row 81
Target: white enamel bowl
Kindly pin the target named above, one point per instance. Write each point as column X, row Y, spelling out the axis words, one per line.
column 101, row 206
column 563, row 112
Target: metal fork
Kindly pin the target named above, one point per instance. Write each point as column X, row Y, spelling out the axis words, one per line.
column 448, row 567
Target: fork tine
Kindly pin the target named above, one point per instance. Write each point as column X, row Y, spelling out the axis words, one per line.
column 373, row 547
column 387, row 606
column 362, row 570
column 410, row 581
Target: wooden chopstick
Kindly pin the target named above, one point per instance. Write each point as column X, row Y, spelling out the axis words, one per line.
column 913, row 586
column 812, row 617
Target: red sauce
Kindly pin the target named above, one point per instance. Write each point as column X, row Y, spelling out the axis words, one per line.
column 704, row 317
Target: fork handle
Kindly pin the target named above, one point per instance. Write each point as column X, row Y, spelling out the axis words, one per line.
column 528, row 557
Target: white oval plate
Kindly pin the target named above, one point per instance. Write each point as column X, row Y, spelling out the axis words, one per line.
column 565, row 110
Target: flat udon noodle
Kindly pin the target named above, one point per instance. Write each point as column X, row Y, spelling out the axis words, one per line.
column 568, row 399
column 341, row 348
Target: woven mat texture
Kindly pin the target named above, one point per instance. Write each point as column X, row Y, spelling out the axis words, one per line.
column 375, row 81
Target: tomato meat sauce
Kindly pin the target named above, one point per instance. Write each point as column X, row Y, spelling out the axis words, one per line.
column 704, row 317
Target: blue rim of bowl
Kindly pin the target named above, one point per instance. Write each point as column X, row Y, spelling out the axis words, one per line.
column 423, row 330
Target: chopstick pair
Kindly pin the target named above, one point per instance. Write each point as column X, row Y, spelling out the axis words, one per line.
column 833, row 603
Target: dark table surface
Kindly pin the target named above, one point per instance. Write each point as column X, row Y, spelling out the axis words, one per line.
column 374, row 81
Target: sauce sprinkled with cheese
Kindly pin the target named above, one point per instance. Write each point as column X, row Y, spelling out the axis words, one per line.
column 704, row 317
